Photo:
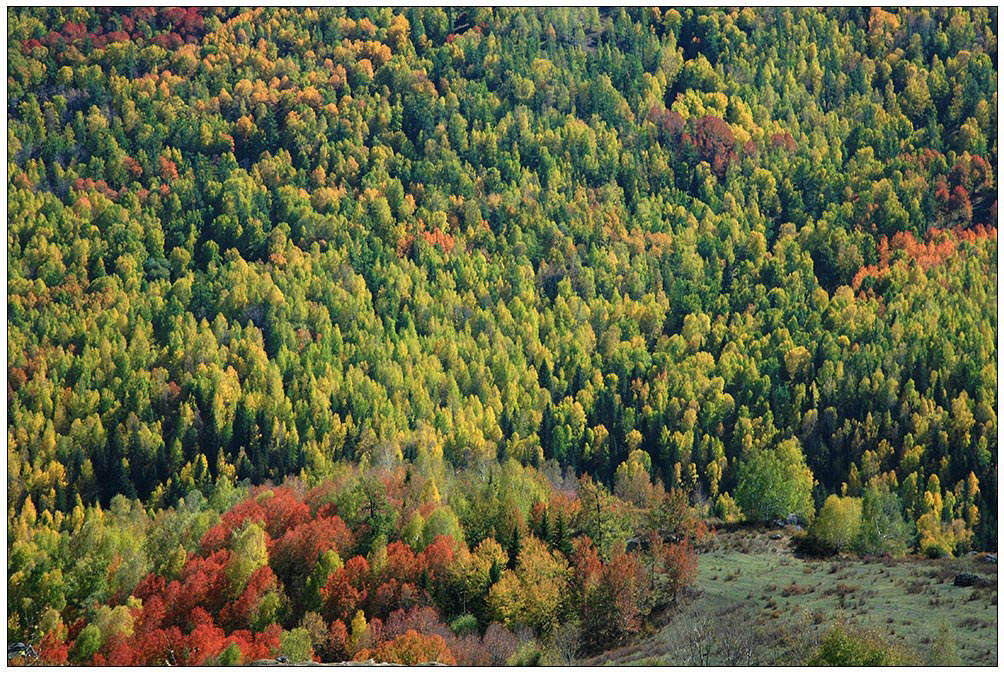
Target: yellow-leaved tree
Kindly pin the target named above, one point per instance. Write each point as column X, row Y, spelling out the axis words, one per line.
column 535, row 594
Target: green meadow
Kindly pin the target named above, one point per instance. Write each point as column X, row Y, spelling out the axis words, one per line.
column 770, row 606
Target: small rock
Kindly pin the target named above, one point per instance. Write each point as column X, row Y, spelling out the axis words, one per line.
column 775, row 536
column 21, row 650
column 968, row 580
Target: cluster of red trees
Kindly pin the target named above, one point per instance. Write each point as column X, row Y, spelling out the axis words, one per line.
column 180, row 25
column 615, row 595
column 967, row 194
column 707, row 138
column 270, row 571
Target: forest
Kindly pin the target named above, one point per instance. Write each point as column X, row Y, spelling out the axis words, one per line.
column 452, row 334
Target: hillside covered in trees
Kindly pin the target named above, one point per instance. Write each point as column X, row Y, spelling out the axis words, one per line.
column 440, row 334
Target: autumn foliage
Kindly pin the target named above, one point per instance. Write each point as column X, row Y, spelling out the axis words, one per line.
column 327, row 325
column 270, row 572
column 939, row 246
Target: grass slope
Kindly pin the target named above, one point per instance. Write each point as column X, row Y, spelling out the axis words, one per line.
column 770, row 606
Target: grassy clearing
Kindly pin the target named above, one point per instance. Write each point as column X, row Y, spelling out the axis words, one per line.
column 794, row 602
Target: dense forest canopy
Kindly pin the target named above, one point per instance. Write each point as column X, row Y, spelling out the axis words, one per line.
column 748, row 256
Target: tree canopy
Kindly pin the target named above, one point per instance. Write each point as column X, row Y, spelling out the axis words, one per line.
column 596, row 262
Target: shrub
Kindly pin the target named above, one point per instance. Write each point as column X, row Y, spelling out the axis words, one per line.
column 528, row 654
column 727, row 509
column 410, row 649
column 883, row 529
column 295, row 645
column 933, row 550
column 464, row 624
column 86, row 644
column 944, row 651
column 230, row 656
column 839, row 522
column 846, row 646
